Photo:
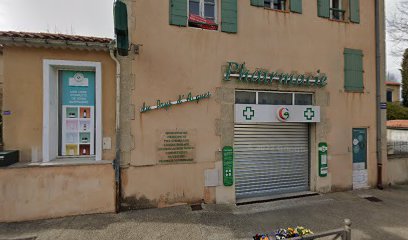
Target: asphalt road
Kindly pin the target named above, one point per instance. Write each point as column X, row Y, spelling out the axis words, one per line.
column 370, row 220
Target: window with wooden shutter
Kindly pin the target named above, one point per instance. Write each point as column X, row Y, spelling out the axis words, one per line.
column 323, row 8
column 257, row 3
column 229, row 16
column 296, row 6
column 178, row 12
column 353, row 70
column 355, row 11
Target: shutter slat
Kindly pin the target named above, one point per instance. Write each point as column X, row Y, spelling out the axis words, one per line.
column 296, row 6
column 355, row 11
column 229, row 16
column 178, row 12
column 323, row 8
column 281, row 166
column 257, row 3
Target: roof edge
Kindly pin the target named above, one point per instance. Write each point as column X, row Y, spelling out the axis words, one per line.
column 38, row 42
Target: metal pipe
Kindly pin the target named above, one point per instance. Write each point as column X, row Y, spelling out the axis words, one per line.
column 116, row 162
column 378, row 93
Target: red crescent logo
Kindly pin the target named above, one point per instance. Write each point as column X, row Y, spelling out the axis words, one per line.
column 283, row 114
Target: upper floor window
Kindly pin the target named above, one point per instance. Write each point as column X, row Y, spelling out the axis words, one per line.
column 202, row 14
column 282, row 5
column 275, row 4
column 337, row 11
column 341, row 10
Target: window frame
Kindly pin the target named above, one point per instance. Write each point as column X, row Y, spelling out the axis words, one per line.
column 343, row 11
column 265, row 91
column 285, row 5
column 202, row 9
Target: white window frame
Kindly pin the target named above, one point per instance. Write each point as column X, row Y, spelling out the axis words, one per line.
column 202, row 8
column 50, row 104
column 272, row 6
column 341, row 7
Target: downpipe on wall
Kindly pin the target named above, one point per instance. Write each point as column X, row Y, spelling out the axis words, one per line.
column 378, row 93
column 116, row 162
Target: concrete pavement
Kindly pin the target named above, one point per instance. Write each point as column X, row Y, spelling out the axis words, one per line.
column 371, row 220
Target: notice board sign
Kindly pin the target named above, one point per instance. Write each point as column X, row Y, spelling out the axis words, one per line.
column 176, row 146
column 77, row 113
column 228, row 165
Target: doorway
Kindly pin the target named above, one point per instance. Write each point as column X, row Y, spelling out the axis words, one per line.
column 359, row 145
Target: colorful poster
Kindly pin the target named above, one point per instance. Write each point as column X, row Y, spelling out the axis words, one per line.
column 78, row 113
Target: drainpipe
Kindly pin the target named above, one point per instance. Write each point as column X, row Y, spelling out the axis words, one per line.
column 378, row 92
column 116, row 162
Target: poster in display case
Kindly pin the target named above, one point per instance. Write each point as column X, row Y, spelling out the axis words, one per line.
column 78, row 113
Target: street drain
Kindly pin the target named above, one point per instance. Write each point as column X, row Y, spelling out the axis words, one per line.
column 196, row 207
column 373, row 199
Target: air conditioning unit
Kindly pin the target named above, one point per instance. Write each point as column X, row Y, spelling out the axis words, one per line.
column 8, row 157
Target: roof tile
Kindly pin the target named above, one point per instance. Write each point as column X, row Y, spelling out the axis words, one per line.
column 54, row 36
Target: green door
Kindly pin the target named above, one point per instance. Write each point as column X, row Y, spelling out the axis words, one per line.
column 360, row 147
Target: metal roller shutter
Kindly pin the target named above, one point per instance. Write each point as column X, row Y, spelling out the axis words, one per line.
column 271, row 159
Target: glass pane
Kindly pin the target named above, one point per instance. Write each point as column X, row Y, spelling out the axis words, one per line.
column 279, row 4
column 267, row 3
column 275, row 98
column 194, row 8
column 245, row 97
column 209, row 11
column 303, row 99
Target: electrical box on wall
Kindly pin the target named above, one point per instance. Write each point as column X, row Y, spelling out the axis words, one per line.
column 107, row 143
column 8, row 158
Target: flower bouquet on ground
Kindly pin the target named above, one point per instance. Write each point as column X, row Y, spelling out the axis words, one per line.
column 284, row 234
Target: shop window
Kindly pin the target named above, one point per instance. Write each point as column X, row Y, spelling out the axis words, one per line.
column 303, row 99
column 242, row 97
column 203, row 14
column 275, row 4
column 273, row 98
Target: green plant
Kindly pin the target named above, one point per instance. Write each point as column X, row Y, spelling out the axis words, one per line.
column 396, row 111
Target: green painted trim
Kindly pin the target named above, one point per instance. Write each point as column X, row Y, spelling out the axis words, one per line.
column 355, row 11
column 178, row 12
column 296, row 6
column 229, row 16
column 323, row 8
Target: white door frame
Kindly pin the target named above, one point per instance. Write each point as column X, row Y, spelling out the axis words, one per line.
column 50, row 104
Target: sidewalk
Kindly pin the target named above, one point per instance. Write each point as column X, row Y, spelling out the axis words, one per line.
column 370, row 220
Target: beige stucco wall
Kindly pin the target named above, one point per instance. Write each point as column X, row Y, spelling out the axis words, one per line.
column 177, row 60
column 31, row 193
column 397, row 170
column 396, row 92
column 23, row 96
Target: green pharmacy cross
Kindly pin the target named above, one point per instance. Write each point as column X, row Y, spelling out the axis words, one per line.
column 309, row 113
column 248, row 113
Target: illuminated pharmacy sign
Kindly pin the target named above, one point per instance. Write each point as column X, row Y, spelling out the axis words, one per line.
column 260, row 76
column 181, row 99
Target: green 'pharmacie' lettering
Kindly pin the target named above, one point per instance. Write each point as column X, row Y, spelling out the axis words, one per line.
column 240, row 72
